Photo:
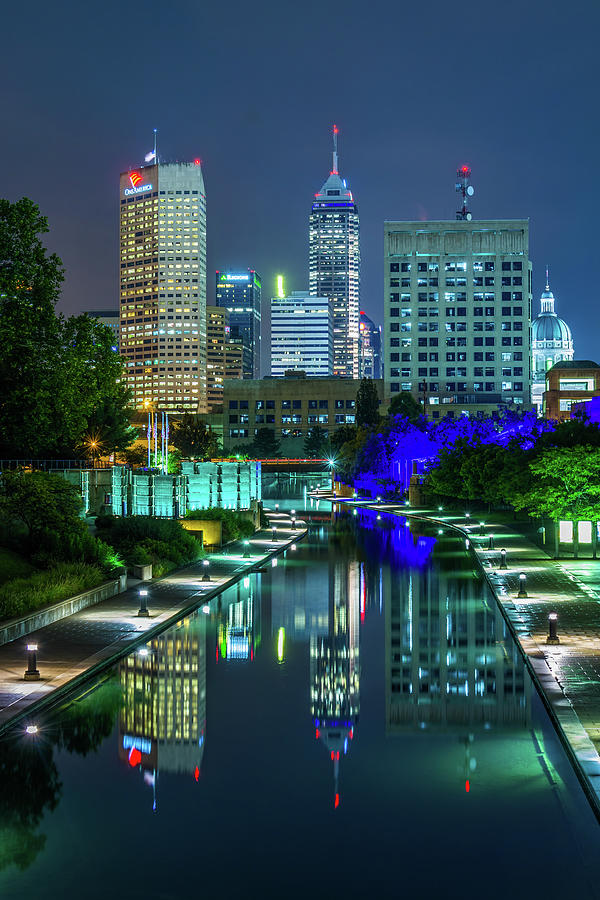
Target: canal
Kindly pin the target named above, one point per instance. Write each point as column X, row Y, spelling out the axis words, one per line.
column 353, row 720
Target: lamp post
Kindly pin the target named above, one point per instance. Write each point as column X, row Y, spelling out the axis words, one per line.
column 553, row 637
column 205, row 565
column 143, row 610
column 32, row 673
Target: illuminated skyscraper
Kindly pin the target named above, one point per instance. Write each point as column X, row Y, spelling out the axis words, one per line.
column 334, row 265
column 240, row 294
column 163, row 285
column 370, row 348
column 301, row 335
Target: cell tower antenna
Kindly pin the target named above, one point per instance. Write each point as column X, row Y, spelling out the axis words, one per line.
column 334, row 171
column 466, row 190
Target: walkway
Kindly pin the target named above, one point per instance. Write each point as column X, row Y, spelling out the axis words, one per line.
column 568, row 673
column 75, row 647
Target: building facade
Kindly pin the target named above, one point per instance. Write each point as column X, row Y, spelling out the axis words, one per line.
column 224, row 355
column 458, row 314
column 111, row 318
column 551, row 341
column 334, row 265
column 570, row 383
column 370, row 348
column 240, row 294
column 301, row 335
column 163, row 286
column 291, row 406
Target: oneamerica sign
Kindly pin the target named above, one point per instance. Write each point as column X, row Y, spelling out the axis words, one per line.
column 137, row 190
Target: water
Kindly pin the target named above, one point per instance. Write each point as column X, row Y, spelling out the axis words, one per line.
column 205, row 766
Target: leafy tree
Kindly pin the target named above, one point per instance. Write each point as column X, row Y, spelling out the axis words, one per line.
column 342, row 435
column 316, row 444
column 565, row 484
column 405, row 405
column 367, row 403
column 40, row 503
column 194, row 439
column 265, row 444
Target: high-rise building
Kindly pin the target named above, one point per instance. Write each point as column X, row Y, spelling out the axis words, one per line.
column 551, row 342
column 239, row 293
column 163, row 286
column 334, row 265
column 301, row 335
column 458, row 314
column 109, row 317
column 224, row 356
column 370, row 348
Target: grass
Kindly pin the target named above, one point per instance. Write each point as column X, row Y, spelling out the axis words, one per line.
column 13, row 566
column 21, row 596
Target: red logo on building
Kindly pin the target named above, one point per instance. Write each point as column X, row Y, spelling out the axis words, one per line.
column 135, row 178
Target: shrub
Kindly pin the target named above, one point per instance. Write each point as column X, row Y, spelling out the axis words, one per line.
column 23, row 595
column 142, row 540
column 234, row 524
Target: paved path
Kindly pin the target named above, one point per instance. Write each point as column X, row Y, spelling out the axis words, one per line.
column 568, row 674
column 89, row 639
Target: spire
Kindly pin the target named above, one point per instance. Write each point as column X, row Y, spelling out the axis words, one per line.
column 547, row 280
column 334, row 170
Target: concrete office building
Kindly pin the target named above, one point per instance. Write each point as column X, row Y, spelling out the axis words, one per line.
column 291, row 406
column 163, row 286
column 458, row 314
column 370, row 348
column 224, row 356
column 240, row 294
column 301, row 335
column 551, row 342
column 334, row 265
column 570, row 383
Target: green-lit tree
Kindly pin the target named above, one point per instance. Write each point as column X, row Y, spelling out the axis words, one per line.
column 367, row 403
column 194, row 439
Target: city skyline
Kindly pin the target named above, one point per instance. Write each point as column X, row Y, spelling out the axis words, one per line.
column 401, row 167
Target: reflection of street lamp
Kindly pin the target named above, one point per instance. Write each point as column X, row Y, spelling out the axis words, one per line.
column 331, row 464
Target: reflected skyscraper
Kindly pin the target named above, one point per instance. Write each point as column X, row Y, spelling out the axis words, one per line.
column 335, row 666
column 163, row 718
column 239, row 629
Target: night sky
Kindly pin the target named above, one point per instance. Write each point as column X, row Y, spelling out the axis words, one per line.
column 253, row 88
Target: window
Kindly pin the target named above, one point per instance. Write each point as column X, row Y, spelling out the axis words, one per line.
column 286, row 420
column 296, row 404
column 506, row 267
column 478, row 342
column 433, row 342
column 312, row 404
column 233, row 404
column 422, row 267
column 478, row 357
column 489, row 341
column 422, row 357
column 339, row 404
column 233, row 419
column 421, row 373
column 478, row 371
column 517, row 281
column 433, row 372
column 270, row 420
column 270, row 404
column 405, row 267
column 507, row 385
column 406, row 357
column 490, row 386
column 518, row 385
column 489, row 266
column 450, row 357
column 489, row 357
column 394, row 267
column 517, row 311
column 323, row 404
column 259, row 419
column 433, row 357
column 518, row 266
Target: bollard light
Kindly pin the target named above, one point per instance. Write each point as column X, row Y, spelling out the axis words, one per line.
column 206, row 609
column 482, row 528
column 522, row 585
column 491, row 542
column 275, row 532
column 143, row 610
column 440, row 530
column 503, row 559
column 32, row 673
column 354, row 513
column 467, row 515
column 277, row 507
column 378, row 518
column 379, row 499
column 31, row 729
column 553, row 637
column 205, row 565
column 467, row 543
column 246, row 549
column 440, row 508
column 293, row 511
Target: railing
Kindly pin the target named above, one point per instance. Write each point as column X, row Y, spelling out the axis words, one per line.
column 46, row 465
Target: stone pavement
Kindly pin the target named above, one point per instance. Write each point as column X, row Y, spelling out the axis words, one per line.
column 568, row 673
column 73, row 648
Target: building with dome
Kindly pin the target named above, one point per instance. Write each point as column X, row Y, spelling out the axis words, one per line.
column 551, row 342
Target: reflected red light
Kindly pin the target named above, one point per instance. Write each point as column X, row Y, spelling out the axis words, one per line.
column 196, row 773
column 337, row 801
column 351, row 734
column 251, row 653
column 332, row 754
column 317, row 734
column 467, row 786
column 337, row 755
column 135, row 757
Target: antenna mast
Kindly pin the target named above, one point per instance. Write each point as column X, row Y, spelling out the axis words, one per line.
column 334, row 171
column 466, row 190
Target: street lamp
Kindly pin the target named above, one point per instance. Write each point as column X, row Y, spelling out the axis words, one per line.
column 32, row 673
column 143, row 610
column 205, row 565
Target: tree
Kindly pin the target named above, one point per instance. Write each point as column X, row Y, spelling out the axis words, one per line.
column 367, row 403
column 341, row 436
column 405, row 405
column 316, row 444
column 265, row 444
column 194, row 439
column 565, row 484
column 60, row 379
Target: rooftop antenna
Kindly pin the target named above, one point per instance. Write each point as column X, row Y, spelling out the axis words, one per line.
column 466, row 190
column 547, row 280
column 334, row 171
column 152, row 157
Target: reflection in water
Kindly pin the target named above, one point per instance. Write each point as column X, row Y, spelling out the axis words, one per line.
column 163, row 719
column 239, row 628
